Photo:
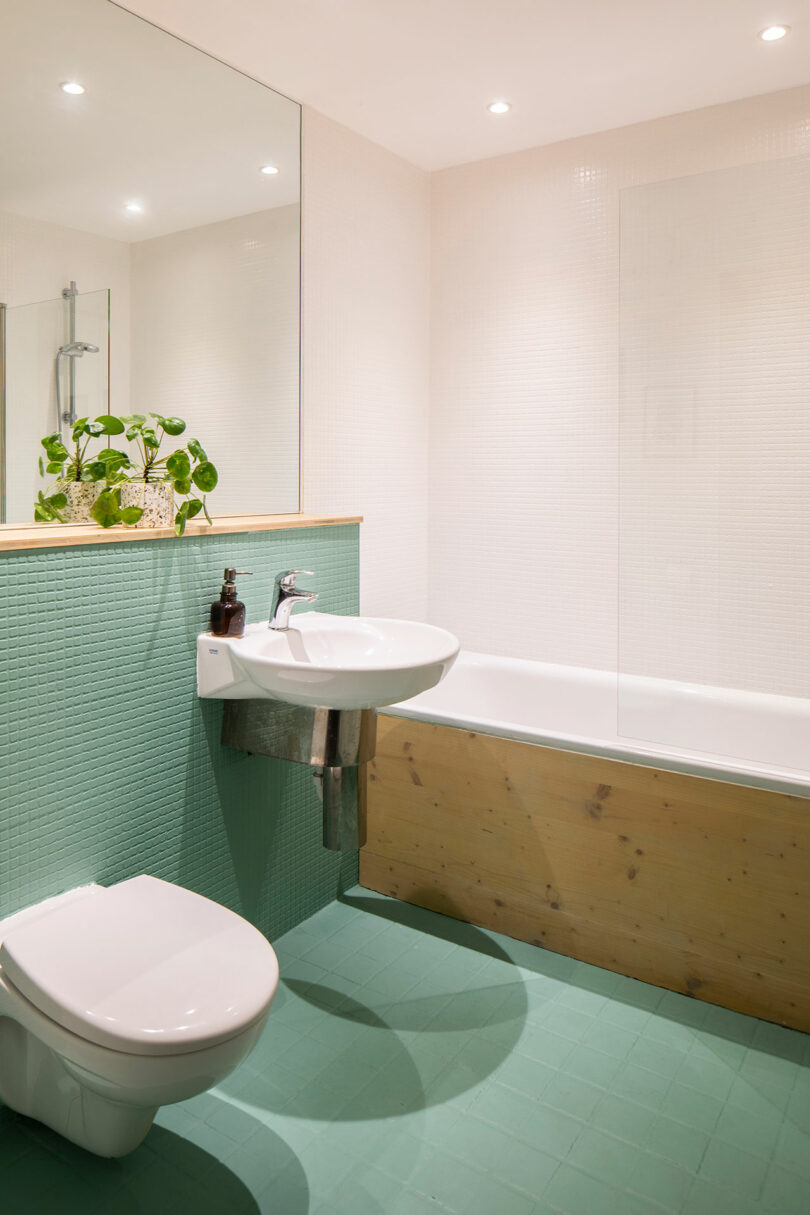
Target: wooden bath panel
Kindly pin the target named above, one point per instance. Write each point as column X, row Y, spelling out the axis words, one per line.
column 692, row 884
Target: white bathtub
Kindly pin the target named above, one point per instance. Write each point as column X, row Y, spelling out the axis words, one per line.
column 747, row 738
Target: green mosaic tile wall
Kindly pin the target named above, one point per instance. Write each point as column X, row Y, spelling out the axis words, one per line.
column 111, row 766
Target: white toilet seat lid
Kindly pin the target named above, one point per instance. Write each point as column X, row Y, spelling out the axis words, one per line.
column 144, row 967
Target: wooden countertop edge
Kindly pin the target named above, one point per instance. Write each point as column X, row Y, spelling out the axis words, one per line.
column 67, row 535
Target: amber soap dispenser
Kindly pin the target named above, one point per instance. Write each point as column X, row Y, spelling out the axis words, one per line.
column 227, row 613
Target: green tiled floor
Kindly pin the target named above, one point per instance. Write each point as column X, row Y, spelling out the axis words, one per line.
column 412, row 1064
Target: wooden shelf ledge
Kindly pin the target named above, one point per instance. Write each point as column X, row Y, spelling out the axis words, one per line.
column 67, row 535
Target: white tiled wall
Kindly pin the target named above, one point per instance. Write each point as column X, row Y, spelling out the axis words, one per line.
column 365, row 356
column 461, row 388
column 37, row 260
column 525, row 404
column 215, row 340
column 715, row 428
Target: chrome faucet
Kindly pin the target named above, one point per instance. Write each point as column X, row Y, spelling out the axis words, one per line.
column 285, row 597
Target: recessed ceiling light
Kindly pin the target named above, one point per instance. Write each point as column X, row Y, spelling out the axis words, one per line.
column 134, row 208
column 73, row 87
column 499, row 107
column 269, row 170
column 774, row 32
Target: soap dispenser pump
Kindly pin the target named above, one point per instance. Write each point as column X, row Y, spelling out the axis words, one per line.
column 228, row 614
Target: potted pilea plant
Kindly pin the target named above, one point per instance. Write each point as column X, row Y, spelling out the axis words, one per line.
column 153, row 483
column 110, row 487
column 80, row 475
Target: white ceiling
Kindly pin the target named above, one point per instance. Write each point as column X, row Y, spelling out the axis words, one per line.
column 416, row 76
column 159, row 123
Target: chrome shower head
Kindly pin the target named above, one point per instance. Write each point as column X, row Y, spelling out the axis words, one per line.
column 75, row 350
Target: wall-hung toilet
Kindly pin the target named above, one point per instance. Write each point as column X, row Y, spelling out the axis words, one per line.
column 117, row 1000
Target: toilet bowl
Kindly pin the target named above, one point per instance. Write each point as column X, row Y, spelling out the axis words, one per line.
column 117, row 1000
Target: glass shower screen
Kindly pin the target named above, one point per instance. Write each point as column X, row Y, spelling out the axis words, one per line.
column 39, row 366
column 714, row 563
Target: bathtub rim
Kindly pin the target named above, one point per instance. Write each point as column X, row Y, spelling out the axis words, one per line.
column 724, row 768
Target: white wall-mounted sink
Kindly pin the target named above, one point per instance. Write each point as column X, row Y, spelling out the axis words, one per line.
column 334, row 662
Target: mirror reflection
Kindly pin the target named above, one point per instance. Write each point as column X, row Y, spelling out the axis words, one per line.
column 149, row 249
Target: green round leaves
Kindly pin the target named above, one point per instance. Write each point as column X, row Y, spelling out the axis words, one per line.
column 187, row 469
column 172, row 426
column 186, row 511
column 106, row 509
column 46, row 510
column 55, row 448
column 110, row 425
column 178, row 466
column 205, row 477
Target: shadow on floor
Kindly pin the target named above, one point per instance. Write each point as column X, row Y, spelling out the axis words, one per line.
column 387, row 1054
column 42, row 1173
column 364, row 1058
column 725, row 1035
column 444, row 927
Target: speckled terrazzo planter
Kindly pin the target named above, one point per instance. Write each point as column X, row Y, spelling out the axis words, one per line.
column 80, row 498
column 155, row 499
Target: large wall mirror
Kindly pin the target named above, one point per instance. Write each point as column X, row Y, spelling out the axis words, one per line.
column 149, row 248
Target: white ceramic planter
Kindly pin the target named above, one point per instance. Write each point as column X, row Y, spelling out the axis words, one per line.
column 156, row 500
column 80, row 498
